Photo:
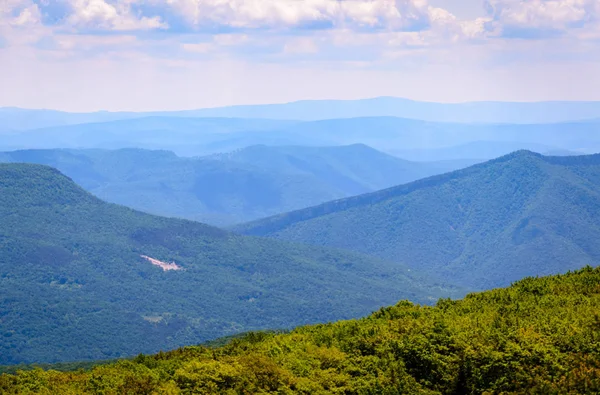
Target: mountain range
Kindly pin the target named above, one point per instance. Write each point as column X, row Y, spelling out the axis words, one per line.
column 311, row 110
column 83, row 279
column 407, row 138
column 392, row 134
column 330, row 210
column 484, row 226
column 191, row 136
column 235, row 187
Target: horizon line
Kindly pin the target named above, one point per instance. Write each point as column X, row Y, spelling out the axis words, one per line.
column 302, row 101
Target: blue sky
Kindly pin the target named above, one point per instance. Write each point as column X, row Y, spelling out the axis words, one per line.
column 83, row 55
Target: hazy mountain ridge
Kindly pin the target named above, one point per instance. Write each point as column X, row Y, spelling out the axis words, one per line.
column 188, row 136
column 469, row 112
column 403, row 137
column 224, row 189
column 311, row 110
column 393, row 134
column 355, row 168
column 485, row 226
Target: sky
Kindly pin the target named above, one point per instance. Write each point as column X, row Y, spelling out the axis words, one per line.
column 141, row 55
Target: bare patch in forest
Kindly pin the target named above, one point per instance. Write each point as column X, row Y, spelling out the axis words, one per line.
column 163, row 265
column 155, row 319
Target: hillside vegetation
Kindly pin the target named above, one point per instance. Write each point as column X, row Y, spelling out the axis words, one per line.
column 540, row 336
column 224, row 189
column 74, row 284
column 520, row 215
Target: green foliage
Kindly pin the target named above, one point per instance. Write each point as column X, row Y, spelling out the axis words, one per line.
column 73, row 285
column 88, row 365
column 61, row 366
column 484, row 226
column 541, row 335
column 230, row 188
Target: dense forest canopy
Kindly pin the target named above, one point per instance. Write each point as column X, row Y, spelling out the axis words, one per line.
column 541, row 335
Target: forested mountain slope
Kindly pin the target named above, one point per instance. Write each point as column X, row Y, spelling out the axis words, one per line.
column 83, row 279
column 224, row 189
column 540, row 336
column 485, row 226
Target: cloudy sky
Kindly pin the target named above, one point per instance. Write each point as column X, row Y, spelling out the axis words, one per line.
column 83, row 55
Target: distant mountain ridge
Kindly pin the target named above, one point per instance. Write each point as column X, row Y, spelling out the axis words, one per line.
column 76, row 282
column 311, row 110
column 484, row 226
column 468, row 112
column 403, row 137
column 224, row 189
column 355, row 168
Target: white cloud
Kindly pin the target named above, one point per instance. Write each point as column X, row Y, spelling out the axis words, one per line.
column 392, row 15
column 28, row 16
column 474, row 29
column 20, row 23
column 19, row 13
column 509, row 18
column 541, row 17
column 246, row 13
column 277, row 14
column 7, row 6
column 99, row 14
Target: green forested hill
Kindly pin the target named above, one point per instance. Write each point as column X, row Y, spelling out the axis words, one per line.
column 230, row 188
column 540, row 336
column 520, row 215
column 74, row 284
